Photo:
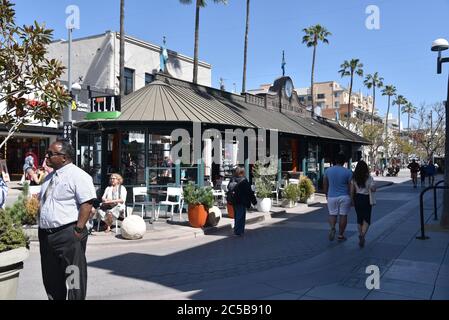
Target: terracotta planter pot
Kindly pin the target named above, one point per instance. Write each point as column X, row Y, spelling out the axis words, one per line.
column 197, row 216
column 230, row 209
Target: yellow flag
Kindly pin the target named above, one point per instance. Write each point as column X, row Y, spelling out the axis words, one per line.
column 74, row 106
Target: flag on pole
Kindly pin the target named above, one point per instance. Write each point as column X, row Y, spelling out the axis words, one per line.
column 283, row 63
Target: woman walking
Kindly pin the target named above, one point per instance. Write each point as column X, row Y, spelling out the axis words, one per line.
column 362, row 188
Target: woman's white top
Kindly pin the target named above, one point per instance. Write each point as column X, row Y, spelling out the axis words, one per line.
column 111, row 194
column 368, row 184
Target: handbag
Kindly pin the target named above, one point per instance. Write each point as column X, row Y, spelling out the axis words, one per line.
column 372, row 197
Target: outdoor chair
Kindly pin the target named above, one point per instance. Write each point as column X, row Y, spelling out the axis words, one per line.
column 172, row 193
column 141, row 192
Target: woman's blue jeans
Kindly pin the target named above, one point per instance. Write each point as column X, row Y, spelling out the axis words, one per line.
column 239, row 219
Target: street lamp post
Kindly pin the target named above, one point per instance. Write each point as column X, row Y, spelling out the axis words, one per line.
column 440, row 45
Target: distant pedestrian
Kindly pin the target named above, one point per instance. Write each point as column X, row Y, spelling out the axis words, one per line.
column 29, row 166
column 3, row 191
column 362, row 185
column 414, row 169
column 430, row 172
column 336, row 186
column 241, row 196
column 422, row 174
column 65, row 204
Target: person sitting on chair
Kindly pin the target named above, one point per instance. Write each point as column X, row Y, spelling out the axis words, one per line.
column 113, row 201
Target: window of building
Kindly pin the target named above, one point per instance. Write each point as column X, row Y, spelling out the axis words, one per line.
column 129, row 81
column 321, row 96
column 336, row 94
column 148, row 78
column 337, row 104
column 302, row 99
column 309, row 98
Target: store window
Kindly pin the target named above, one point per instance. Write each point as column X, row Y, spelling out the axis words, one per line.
column 129, row 81
column 132, row 157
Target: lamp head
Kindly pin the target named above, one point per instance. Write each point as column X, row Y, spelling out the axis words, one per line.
column 76, row 86
column 440, row 45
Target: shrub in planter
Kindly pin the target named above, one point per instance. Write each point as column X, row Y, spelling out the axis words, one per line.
column 306, row 189
column 264, row 180
column 199, row 201
column 11, row 234
column 13, row 251
column 291, row 194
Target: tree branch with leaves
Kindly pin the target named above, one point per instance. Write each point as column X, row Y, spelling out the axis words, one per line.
column 29, row 82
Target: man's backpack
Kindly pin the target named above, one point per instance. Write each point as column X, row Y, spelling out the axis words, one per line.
column 231, row 195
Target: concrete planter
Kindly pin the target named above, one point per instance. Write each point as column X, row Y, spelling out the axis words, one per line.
column 264, row 205
column 289, row 204
column 11, row 262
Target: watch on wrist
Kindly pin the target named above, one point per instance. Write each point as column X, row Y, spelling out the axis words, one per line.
column 78, row 229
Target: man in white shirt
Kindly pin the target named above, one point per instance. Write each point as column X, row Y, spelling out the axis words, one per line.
column 66, row 201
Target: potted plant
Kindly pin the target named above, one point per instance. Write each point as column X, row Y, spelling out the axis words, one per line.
column 199, row 201
column 264, row 177
column 291, row 195
column 13, row 251
column 306, row 189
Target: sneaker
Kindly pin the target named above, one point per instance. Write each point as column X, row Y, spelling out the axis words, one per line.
column 332, row 234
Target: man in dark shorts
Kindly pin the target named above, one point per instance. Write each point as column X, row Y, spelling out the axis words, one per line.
column 414, row 169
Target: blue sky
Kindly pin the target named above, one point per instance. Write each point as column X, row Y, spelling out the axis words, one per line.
column 399, row 51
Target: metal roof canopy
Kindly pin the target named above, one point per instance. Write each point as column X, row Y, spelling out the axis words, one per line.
column 175, row 100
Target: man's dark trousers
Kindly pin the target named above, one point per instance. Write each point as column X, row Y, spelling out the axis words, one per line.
column 239, row 219
column 63, row 256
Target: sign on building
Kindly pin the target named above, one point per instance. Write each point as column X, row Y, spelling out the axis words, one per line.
column 105, row 104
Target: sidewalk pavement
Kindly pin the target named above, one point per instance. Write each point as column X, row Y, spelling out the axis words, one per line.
column 164, row 229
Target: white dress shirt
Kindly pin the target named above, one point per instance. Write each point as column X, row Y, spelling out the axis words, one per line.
column 72, row 187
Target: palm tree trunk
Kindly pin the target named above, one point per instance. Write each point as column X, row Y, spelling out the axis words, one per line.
column 312, row 81
column 195, row 54
column 409, row 115
column 350, row 96
column 399, row 119
column 122, row 48
column 246, row 47
column 374, row 103
column 386, row 120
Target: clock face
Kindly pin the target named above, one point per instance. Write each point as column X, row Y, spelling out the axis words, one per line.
column 288, row 88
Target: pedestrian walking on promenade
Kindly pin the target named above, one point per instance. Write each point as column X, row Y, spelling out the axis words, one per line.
column 414, row 169
column 336, row 186
column 430, row 172
column 362, row 189
column 241, row 196
column 66, row 201
column 422, row 174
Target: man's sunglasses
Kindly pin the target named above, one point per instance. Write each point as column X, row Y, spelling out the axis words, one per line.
column 50, row 154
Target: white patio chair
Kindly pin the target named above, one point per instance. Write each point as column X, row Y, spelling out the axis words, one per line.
column 140, row 192
column 172, row 192
column 224, row 189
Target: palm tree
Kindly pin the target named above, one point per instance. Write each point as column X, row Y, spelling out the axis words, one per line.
column 373, row 81
column 199, row 4
column 313, row 35
column 389, row 91
column 349, row 68
column 122, row 48
column 400, row 101
column 246, row 47
column 410, row 109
